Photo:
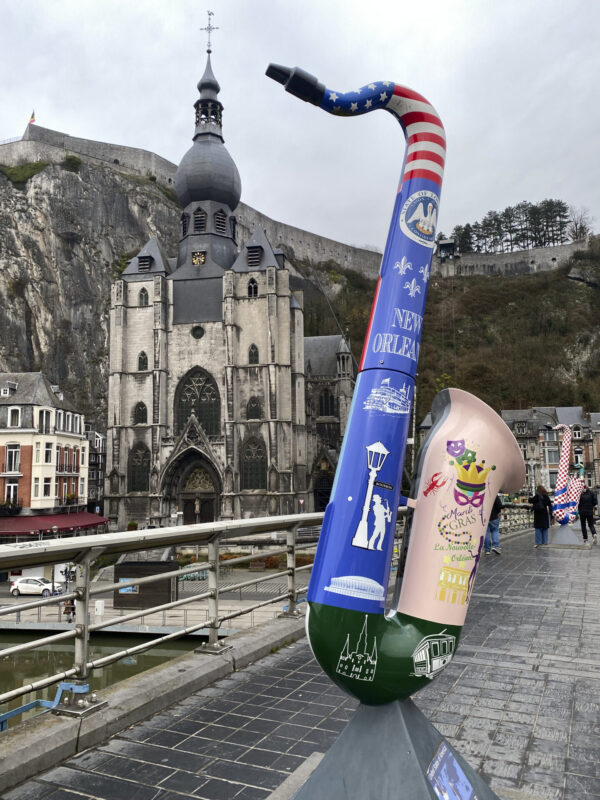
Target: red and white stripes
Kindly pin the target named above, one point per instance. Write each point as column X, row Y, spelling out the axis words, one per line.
column 425, row 135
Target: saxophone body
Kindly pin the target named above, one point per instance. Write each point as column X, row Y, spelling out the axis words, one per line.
column 379, row 652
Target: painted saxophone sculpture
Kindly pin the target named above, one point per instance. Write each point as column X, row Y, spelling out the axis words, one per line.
column 379, row 654
column 568, row 489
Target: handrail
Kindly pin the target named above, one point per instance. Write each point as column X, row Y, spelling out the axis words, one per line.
column 83, row 549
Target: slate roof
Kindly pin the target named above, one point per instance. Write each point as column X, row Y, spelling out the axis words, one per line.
column 158, row 266
column 33, row 388
column 258, row 239
column 320, row 354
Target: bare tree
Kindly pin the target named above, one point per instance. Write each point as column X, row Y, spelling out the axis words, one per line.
column 580, row 223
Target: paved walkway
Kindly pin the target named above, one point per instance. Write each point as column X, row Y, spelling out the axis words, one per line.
column 520, row 701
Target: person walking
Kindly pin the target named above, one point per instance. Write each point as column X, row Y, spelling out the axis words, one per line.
column 587, row 503
column 542, row 515
column 491, row 542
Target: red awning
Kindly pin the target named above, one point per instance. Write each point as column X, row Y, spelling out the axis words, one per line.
column 35, row 525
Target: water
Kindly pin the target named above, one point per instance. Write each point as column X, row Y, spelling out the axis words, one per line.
column 32, row 665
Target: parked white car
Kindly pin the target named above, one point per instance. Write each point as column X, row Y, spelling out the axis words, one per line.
column 34, row 586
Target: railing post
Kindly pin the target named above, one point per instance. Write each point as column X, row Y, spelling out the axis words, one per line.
column 213, row 585
column 291, row 536
column 82, row 603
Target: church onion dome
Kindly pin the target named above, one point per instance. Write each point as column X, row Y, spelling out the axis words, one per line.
column 207, row 171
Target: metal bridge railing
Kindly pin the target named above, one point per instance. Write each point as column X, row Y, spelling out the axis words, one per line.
column 83, row 550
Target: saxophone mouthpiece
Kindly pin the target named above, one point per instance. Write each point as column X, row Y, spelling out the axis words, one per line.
column 297, row 82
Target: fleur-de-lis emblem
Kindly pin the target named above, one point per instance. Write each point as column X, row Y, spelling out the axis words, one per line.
column 413, row 287
column 425, row 273
column 403, row 266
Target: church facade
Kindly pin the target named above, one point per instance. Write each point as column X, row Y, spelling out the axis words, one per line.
column 218, row 406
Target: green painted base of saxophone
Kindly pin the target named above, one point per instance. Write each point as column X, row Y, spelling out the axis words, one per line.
column 377, row 658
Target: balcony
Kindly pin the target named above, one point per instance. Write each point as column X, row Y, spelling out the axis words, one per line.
column 9, row 509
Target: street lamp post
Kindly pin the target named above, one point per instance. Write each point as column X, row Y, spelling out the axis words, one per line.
column 376, row 455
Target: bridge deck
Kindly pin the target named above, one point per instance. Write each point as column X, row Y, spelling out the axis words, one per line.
column 519, row 701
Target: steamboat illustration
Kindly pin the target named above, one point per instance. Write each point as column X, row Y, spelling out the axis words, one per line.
column 432, row 654
column 359, row 664
column 388, row 399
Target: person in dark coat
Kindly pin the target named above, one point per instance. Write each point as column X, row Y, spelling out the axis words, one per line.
column 492, row 534
column 542, row 515
column 587, row 503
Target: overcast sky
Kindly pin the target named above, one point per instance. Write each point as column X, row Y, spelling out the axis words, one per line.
column 515, row 83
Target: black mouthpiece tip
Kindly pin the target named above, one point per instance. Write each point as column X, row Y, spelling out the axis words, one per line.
column 297, row 82
column 278, row 73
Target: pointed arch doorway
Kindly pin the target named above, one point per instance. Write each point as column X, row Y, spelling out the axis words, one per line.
column 195, row 488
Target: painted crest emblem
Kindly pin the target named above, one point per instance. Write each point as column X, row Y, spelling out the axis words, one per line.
column 418, row 218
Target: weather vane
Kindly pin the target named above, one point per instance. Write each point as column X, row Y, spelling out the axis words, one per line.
column 209, row 29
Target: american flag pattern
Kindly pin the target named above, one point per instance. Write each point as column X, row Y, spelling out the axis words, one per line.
column 568, row 490
column 425, row 136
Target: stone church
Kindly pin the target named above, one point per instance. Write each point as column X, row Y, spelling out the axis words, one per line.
column 218, row 406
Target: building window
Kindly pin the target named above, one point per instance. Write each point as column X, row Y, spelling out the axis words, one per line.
column 220, row 222
column 36, row 487
column 254, row 256
column 185, row 222
column 254, row 465
column 12, row 457
column 38, row 452
column 577, row 432
column 12, row 491
column 143, row 297
column 139, row 468
column 253, row 409
column 47, row 486
column 60, row 423
column 82, row 487
column 200, row 221
column 198, row 394
column 14, row 417
column 142, row 362
column 578, row 456
column 197, row 331
column 326, row 404
column 67, row 459
column 44, row 422
column 253, row 354
column 233, row 224
column 140, row 414
column 92, row 475
column 252, row 288
column 550, row 436
column 82, row 456
column 521, row 428
column 77, row 423
column 552, row 456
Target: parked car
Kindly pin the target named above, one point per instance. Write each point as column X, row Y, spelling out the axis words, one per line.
column 34, row 586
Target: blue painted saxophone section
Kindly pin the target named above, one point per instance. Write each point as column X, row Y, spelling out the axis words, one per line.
column 354, row 556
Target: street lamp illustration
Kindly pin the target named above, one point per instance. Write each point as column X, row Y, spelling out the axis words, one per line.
column 376, row 455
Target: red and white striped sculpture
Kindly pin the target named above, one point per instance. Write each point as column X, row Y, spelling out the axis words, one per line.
column 568, row 489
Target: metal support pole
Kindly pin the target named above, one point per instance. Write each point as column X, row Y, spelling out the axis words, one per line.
column 82, row 602
column 213, row 585
column 291, row 537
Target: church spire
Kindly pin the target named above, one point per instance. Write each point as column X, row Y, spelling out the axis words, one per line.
column 209, row 111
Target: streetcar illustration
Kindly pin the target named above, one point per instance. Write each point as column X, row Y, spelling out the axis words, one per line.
column 432, row 654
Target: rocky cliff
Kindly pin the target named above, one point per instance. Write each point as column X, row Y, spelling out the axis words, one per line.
column 64, row 234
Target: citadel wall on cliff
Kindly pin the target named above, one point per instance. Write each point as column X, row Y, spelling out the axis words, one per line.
column 43, row 144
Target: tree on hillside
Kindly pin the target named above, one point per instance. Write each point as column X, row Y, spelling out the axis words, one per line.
column 580, row 223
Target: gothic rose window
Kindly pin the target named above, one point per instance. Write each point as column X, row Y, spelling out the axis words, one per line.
column 253, row 354
column 139, row 468
column 198, row 394
column 254, row 465
column 140, row 414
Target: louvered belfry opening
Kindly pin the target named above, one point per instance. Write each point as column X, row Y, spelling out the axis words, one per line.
column 200, row 219
column 254, row 256
column 144, row 263
column 221, row 222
